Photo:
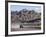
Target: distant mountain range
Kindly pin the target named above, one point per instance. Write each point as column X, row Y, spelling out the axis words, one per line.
column 24, row 15
column 22, row 11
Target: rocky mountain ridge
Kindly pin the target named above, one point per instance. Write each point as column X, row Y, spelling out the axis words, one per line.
column 25, row 15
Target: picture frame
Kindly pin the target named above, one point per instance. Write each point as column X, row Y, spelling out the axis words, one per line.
column 14, row 5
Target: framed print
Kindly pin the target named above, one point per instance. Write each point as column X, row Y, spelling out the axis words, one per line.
column 24, row 18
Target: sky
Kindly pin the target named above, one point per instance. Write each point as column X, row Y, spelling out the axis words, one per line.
column 20, row 7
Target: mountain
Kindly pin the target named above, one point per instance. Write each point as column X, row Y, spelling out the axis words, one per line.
column 25, row 15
